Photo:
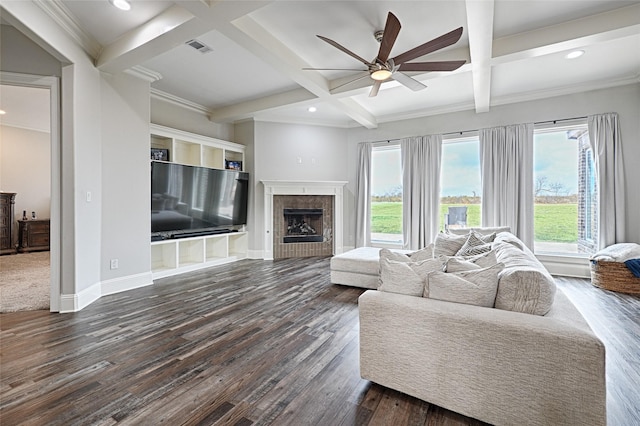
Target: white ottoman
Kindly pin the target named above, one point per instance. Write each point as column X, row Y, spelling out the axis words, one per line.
column 359, row 267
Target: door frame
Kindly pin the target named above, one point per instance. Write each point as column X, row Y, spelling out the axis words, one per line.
column 53, row 85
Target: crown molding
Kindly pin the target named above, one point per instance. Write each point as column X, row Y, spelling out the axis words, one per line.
column 144, row 73
column 178, row 101
column 57, row 11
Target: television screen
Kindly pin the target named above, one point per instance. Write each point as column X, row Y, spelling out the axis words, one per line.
column 190, row 198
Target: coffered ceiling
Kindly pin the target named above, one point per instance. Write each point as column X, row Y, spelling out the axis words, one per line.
column 515, row 50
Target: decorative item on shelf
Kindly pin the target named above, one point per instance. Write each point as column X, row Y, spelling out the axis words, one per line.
column 24, row 215
column 159, row 154
column 33, row 216
column 233, row 165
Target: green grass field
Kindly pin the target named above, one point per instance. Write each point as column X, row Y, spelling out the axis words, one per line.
column 554, row 222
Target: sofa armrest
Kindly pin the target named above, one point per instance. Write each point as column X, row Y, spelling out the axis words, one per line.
column 498, row 366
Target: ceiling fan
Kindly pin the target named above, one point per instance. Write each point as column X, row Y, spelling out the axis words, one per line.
column 383, row 68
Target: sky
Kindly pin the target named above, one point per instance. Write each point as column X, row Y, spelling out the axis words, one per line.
column 555, row 158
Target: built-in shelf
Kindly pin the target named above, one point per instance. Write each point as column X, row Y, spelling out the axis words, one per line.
column 171, row 257
column 195, row 150
column 176, row 256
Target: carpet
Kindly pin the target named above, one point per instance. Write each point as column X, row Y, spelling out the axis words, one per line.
column 24, row 282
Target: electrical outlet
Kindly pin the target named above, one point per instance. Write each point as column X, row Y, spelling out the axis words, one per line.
column 114, row 263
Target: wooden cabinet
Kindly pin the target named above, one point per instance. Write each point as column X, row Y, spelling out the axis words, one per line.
column 33, row 235
column 7, row 201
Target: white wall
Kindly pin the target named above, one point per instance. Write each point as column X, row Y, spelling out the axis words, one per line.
column 125, row 186
column 295, row 152
column 92, row 109
column 178, row 117
column 625, row 100
column 25, row 168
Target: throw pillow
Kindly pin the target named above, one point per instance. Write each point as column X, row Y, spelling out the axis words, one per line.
column 480, row 230
column 448, row 244
column 405, row 277
column 477, row 287
column 457, row 264
column 474, row 245
column 423, row 254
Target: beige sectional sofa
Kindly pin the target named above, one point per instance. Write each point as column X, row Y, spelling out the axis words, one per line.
column 531, row 360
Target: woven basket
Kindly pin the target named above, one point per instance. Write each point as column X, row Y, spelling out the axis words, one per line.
column 614, row 276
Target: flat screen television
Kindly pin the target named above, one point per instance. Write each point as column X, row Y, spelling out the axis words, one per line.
column 191, row 200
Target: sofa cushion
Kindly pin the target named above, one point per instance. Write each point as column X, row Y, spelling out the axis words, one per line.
column 403, row 256
column 448, row 244
column 364, row 260
column 457, row 264
column 405, row 277
column 475, row 287
column 524, row 285
column 480, row 230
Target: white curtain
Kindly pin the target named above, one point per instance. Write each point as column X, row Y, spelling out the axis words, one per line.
column 363, row 195
column 506, row 159
column 606, row 145
column 420, row 190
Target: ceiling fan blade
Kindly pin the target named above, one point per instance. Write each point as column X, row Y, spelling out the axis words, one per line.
column 432, row 66
column 344, row 49
column 375, row 88
column 430, row 46
column 389, row 36
column 411, row 83
column 350, row 81
column 334, row 69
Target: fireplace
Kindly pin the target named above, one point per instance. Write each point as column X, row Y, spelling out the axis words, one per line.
column 307, row 195
column 303, row 226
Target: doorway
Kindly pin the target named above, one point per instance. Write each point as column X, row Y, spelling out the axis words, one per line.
column 30, row 126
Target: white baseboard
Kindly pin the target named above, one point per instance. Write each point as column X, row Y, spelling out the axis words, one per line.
column 76, row 301
column 130, row 282
column 255, row 254
column 567, row 266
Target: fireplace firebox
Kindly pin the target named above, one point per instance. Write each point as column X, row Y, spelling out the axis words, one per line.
column 303, row 225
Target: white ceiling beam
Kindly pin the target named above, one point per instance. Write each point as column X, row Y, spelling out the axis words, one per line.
column 249, row 108
column 181, row 22
column 165, row 31
column 480, row 33
column 256, row 39
column 568, row 35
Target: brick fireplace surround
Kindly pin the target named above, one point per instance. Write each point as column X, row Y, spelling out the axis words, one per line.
column 327, row 195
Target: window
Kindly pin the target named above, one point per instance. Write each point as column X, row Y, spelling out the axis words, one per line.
column 461, row 186
column 565, row 191
column 386, row 195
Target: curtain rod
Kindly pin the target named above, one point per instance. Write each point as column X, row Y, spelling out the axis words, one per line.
column 477, row 130
column 535, row 124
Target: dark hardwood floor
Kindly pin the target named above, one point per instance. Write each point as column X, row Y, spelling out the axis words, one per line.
column 247, row 343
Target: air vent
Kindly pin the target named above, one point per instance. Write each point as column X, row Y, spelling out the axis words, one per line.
column 199, row 46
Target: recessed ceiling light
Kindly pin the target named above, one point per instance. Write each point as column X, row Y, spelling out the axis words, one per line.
column 2, row 112
column 121, row 4
column 574, row 54
column 312, row 109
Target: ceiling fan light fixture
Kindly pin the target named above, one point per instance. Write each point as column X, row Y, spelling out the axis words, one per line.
column 381, row 75
column 121, row 4
column 575, row 54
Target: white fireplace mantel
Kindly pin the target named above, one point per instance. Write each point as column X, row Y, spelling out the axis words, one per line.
column 281, row 187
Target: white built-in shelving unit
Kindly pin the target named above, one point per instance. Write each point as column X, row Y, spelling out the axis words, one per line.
column 176, row 256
